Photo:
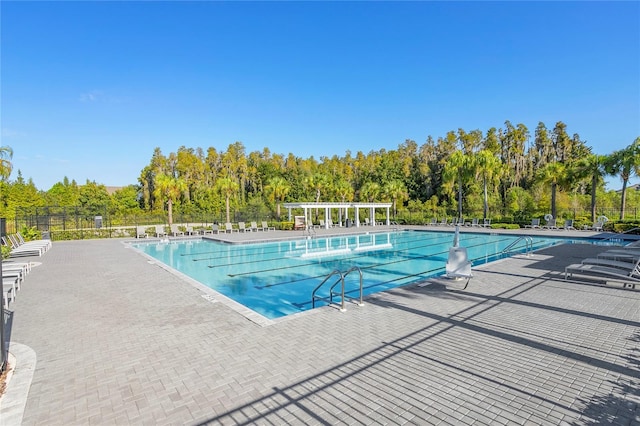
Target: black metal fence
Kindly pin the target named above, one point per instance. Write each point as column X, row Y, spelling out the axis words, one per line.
column 76, row 223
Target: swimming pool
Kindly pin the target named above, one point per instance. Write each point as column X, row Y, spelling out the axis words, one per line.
column 276, row 279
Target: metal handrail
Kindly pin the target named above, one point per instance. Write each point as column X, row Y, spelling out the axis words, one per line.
column 528, row 245
column 310, row 231
column 340, row 280
column 344, row 275
column 313, row 294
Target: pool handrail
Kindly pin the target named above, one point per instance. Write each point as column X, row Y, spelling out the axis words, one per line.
column 353, row 268
column 342, row 275
column 528, row 247
column 313, row 293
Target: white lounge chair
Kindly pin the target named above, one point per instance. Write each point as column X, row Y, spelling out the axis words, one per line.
column 434, row 221
column 486, row 223
column 535, row 223
column 175, row 231
column 474, row 222
column 597, row 226
column 255, row 228
column 242, row 227
column 608, row 272
column 228, row 228
column 9, row 288
column 24, row 250
column 266, row 226
column 42, row 243
column 141, row 232
column 160, row 232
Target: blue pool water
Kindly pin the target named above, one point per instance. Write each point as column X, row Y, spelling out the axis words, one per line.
column 277, row 279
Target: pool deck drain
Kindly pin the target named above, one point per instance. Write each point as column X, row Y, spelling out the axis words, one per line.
column 122, row 341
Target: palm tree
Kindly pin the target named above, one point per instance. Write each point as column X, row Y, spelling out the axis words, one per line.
column 489, row 167
column 626, row 163
column 457, row 170
column 318, row 183
column 553, row 174
column 369, row 191
column 344, row 191
column 396, row 189
column 6, row 153
column 594, row 167
column 227, row 187
column 278, row 188
column 169, row 188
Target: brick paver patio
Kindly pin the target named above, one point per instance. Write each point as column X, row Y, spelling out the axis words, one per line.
column 120, row 340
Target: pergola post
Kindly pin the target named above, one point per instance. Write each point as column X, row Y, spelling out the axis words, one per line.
column 327, row 218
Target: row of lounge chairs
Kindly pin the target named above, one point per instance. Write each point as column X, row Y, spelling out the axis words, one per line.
column 21, row 248
column 175, row 231
column 615, row 265
column 229, row 228
column 13, row 275
column 568, row 224
column 476, row 222
column 14, row 270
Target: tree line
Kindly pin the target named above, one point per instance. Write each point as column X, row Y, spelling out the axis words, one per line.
column 495, row 173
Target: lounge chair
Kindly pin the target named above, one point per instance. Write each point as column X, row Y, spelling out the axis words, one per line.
column 254, row 227
column 620, row 254
column 443, row 222
column 551, row 224
column 22, row 251
column 189, row 230
column 141, row 232
column 18, row 242
column 266, row 227
column 160, row 232
column 474, row 222
column 486, row 223
column 625, row 263
column 597, row 226
column 242, row 227
column 175, row 231
column 228, row 227
column 43, row 243
column 213, row 229
column 568, row 224
column 535, row 223
column 434, row 222
column 606, row 272
column 9, row 288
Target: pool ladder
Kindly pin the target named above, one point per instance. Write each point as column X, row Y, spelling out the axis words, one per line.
column 528, row 248
column 310, row 231
column 340, row 280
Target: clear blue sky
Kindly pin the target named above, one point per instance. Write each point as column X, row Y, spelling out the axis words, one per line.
column 89, row 89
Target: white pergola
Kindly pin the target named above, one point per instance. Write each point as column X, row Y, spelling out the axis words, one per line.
column 309, row 207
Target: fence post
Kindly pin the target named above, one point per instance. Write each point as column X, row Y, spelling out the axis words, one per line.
column 3, row 349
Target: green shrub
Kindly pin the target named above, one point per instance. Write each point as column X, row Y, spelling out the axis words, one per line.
column 30, row 234
column 6, row 251
column 285, row 226
column 505, row 226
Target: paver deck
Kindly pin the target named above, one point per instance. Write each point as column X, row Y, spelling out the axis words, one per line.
column 119, row 340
